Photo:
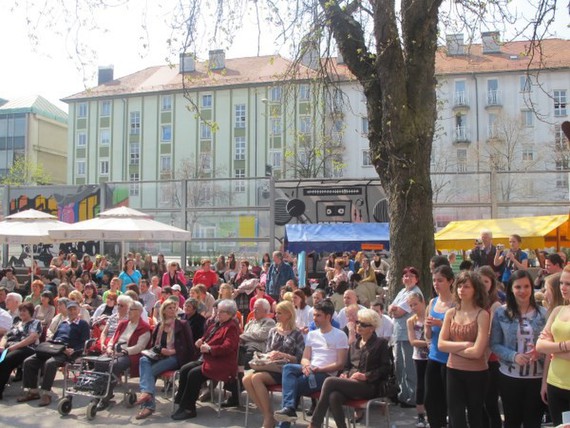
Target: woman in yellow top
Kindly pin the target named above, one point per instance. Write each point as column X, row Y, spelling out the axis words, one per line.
column 555, row 340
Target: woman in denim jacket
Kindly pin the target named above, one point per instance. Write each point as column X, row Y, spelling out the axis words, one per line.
column 514, row 333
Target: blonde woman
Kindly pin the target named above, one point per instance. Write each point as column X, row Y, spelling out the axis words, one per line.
column 285, row 342
column 172, row 339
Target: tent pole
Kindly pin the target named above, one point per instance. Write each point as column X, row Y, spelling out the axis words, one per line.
column 558, row 238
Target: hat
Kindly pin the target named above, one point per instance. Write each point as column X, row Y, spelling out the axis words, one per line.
column 72, row 303
column 176, row 287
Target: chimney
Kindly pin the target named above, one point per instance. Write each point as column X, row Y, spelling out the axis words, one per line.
column 455, row 44
column 217, row 59
column 105, row 74
column 490, row 41
column 187, row 64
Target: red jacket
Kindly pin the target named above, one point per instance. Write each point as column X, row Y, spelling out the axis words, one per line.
column 221, row 362
column 141, row 329
column 180, row 280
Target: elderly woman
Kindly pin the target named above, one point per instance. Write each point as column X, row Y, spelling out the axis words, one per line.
column 367, row 366
column 122, row 313
column 285, row 342
column 174, row 275
column 130, row 338
column 219, row 348
column 193, row 318
column 36, row 295
column 172, row 339
column 20, row 342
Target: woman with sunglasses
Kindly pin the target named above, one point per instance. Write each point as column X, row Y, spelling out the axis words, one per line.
column 261, row 294
column 368, row 364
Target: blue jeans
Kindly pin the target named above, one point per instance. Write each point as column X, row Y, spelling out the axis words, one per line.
column 295, row 384
column 149, row 371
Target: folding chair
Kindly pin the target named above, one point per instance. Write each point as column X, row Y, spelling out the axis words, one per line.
column 365, row 405
column 170, row 377
column 271, row 389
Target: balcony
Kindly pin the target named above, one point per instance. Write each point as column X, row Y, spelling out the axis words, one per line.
column 494, row 99
column 461, row 135
column 460, row 100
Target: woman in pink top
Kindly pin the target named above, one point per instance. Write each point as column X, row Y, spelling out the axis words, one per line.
column 465, row 336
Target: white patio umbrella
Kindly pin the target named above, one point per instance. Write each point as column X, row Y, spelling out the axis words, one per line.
column 28, row 227
column 122, row 224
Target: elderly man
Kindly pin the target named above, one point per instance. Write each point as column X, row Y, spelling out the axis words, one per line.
column 253, row 338
column 349, row 298
column 74, row 332
column 483, row 254
column 13, row 301
column 278, row 275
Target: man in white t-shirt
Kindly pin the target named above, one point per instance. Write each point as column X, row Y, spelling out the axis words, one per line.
column 326, row 350
column 386, row 328
column 349, row 298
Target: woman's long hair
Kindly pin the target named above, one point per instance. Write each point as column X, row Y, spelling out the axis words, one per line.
column 480, row 296
column 513, row 310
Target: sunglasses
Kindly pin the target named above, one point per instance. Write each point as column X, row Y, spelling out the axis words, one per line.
column 363, row 324
column 261, row 288
column 121, row 305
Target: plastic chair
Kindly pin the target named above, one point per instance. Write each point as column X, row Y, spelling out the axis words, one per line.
column 271, row 389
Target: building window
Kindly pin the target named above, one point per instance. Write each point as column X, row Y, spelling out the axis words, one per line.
column 493, row 98
column 366, row 158
column 81, row 168
column 104, row 167
column 275, row 94
column 527, row 153
column 305, row 125
column 461, row 160
column 165, row 164
column 275, row 126
column 275, row 158
column 525, row 84
column 166, row 103
column 105, row 108
column 304, row 92
column 134, row 185
column 460, row 97
column 492, row 126
column 460, row 127
column 560, row 140
column 105, row 137
column 239, row 185
column 166, row 133
column 205, row 162
column 205, row 131
column 527, row 118
column 134, row 153
column 559, row 103
column 239, row 148
column 82, row 110
column 364, row 126
column 81, row 139
column 135, row 122
column 207, row 101
column 240, row 116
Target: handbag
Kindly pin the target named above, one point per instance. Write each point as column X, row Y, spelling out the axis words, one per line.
column 48, row 349
column 262, row 363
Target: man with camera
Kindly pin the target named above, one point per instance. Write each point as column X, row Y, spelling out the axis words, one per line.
column 514, row 259
column 483, row 254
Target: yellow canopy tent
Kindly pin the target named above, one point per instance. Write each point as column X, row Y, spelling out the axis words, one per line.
column 536, row 232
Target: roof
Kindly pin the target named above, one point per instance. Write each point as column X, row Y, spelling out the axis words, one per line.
column 552, row 53
column 270, row 69
column 238, row 71
column 536, row 232
column 34, row 104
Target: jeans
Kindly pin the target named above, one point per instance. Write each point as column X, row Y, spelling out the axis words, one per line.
column 295, row 384
column 435, row 400
column 334, row 393
column 466, row 390
column 405, row 372
column 149, row 371
column 521, row 400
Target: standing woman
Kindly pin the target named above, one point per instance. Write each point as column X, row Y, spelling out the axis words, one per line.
column 129, row 275
column 161, row 265
column 555, row 340
column 491, row 412
column 400, row 311
column 465, row 336
column 515, row 331
column 417, row 339
column 436, row 369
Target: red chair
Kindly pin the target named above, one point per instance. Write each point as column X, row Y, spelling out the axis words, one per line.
column 365, row 405
column 271, row 389
column 170, row 377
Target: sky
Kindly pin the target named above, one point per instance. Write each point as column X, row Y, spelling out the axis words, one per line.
column 46, row 64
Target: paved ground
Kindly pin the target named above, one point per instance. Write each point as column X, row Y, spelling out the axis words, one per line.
column 28, row 415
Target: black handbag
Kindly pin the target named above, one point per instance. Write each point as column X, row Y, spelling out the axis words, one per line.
column 48, row 349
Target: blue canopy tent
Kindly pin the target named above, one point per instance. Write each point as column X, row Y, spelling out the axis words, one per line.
column 337, row 237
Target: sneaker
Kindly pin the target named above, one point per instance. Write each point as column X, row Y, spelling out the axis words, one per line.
column 421, row 422
column 285, row 415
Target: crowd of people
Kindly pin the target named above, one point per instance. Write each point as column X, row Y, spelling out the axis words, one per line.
column 490, row 330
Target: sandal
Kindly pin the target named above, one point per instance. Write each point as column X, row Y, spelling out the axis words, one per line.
column 143, row 398
column 144, row 413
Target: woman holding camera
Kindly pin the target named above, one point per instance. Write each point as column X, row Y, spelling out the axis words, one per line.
column 512, row 260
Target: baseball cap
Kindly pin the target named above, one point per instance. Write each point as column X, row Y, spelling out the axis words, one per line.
column 176, row 287
column 72, row 303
